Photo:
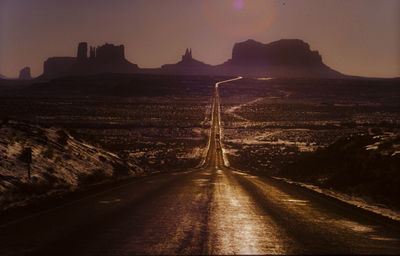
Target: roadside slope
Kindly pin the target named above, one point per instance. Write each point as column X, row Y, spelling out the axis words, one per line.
column 58, row 164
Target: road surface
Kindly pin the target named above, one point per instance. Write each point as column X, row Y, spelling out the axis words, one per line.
column 208, row 210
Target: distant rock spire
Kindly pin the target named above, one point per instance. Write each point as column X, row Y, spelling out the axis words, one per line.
column 25, row 73
column 188, row 55
column 82, row 52
column 92, row 55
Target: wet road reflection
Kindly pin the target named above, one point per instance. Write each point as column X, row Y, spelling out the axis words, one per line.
column 212, row 209
column 238, row 226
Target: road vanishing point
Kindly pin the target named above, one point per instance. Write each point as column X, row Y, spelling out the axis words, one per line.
column 211, row 209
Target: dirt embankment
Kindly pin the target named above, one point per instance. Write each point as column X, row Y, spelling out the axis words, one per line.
column 37, row 163
column 361, row 165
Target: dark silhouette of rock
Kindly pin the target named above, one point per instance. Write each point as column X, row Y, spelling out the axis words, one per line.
column 82, row 52
column 188, row 65
column 25, row 73
column 57, row 66
column 107, row 58
column 110, row 53
column 284, row 52
column 92, row 55
column 188, row 56
column 283, row 58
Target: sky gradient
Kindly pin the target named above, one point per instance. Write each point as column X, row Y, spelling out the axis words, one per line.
column 355, row 37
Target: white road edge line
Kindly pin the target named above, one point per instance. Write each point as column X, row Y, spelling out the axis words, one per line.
column 224, row 157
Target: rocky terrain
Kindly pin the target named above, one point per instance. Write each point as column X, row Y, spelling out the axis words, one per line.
column 157, row 122
column 188, row 65
column 336, row 134
column 283, row 58
column 107, row 58
column 286, row 58
column 365, row 165
column 37, row 163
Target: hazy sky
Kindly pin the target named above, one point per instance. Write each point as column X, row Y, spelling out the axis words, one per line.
column 358, row 37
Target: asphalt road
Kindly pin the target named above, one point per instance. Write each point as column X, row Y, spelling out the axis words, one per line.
column 207, row 210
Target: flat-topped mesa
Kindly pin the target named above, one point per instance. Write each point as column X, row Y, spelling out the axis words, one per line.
column 283, row 58
column 290, row 52
column 109, row 52
column 56, row 66
column 104, row 53
column 107, row 58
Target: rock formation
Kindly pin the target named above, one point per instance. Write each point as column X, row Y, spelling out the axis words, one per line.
column 92, row 55
column 188, row 65
column 282, row 52
column 25, row 73
column 283, row 58
column 82, row 52
column 107, row 58
column 188, row 56
column 110, row 52
column 57, row 66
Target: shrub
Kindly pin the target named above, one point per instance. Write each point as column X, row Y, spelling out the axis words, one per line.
column 35, row 187
column 120, row 169
column 50, row 170
column 102, row 158
column 49, row 153
column 50, row 178
column 62, row 137
column 96, row 176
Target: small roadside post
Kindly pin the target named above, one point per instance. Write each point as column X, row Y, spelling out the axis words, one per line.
column 26, row 157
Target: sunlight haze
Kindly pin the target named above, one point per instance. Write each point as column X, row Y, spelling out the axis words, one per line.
column 355, row 37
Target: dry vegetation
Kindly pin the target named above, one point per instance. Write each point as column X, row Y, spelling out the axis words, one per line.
column 158, row 123
column 37, row 162
column 271, row 126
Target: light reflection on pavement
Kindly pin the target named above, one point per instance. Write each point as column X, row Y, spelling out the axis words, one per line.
column 212, row 209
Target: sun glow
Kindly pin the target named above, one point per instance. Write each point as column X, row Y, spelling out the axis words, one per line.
column 239, row 17
column 238, row 4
